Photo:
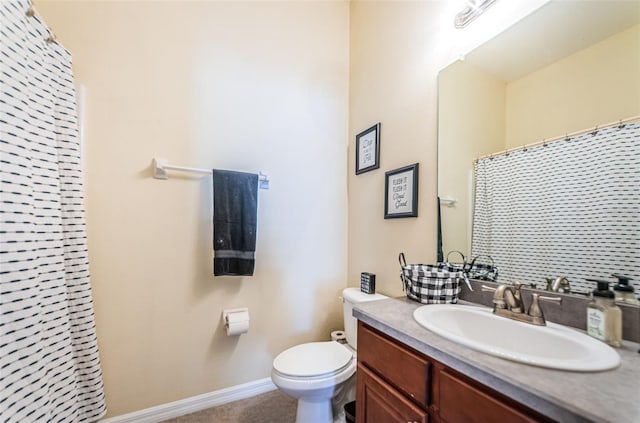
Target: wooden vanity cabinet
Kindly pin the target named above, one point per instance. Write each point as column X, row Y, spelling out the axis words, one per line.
column 398, row 384
column 379, row 402
column 393, row 383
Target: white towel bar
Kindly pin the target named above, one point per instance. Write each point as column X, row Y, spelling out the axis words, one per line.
column 160, row 167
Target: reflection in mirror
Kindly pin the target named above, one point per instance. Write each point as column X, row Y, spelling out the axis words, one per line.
column 566, row 67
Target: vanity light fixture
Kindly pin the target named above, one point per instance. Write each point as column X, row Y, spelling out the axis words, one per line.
column 472, row 10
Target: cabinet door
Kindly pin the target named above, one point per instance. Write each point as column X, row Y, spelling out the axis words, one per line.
column 464, row 402
column 379, row 402
column 407, row 371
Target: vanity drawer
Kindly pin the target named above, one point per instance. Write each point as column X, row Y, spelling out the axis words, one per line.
column 461, row 401
column 379, row 402
column 402, row 368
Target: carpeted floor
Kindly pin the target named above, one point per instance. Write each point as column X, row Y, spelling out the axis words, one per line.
column 272, row 407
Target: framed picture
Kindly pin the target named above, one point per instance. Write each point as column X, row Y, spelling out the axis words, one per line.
column 401, row 192
column 368, row 149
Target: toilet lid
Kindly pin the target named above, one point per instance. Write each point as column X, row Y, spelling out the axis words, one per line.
column 313, row 359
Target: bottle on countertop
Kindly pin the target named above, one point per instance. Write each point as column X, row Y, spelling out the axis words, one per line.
column 623, row 291
column 604, row 318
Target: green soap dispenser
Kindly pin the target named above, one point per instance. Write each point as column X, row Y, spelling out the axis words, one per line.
column 623, row 291
column 604, row 318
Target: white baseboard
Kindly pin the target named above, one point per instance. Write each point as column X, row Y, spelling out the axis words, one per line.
column 191, row 405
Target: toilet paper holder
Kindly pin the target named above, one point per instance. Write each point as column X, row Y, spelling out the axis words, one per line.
column 235, row 320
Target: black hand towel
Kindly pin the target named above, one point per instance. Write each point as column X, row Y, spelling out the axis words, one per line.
column 235, row 211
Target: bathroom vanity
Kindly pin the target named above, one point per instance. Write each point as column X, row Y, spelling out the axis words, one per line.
column 397, row 383
column 409, row 374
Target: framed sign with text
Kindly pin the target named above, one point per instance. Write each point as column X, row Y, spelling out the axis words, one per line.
column 368, row 149
column 401, row 192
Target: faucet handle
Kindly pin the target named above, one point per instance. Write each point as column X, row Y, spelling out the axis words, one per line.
column 557, row 300
column 535, row 311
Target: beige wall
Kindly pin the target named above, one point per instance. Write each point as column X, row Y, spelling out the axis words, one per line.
column 236, row 85
column 393, row 84
column 471, row 124
column 597, row 85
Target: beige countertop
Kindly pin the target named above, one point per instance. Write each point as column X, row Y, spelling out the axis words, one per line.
column 610, row 396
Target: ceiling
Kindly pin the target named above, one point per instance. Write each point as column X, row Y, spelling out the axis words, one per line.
column 556, row 30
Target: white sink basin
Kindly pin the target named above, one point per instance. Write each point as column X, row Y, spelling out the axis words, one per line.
column 552, row 346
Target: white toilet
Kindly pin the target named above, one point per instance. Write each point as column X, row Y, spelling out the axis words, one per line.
column 316, row 372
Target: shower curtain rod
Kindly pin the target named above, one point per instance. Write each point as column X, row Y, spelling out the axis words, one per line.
column 31, row 13
column 620, row 122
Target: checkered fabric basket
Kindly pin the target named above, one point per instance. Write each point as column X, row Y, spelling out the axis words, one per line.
column 482, row 271
column 432, row 283
column 475, row 269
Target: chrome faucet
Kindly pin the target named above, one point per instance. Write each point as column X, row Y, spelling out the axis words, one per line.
column 507, row 302
column 560, row 284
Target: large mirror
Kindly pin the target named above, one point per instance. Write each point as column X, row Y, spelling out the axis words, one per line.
column 568, row 66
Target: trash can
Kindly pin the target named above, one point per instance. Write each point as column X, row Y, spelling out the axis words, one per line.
column 350, row 412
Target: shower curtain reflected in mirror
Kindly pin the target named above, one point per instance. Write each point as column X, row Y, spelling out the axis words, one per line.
column 568, row 208
column 49, row 363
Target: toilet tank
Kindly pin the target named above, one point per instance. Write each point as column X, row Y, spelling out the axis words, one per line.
column 350, row 297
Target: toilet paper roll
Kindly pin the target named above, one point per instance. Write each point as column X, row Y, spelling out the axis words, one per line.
column 339, row 336
column 237, row 317
column 236, row 321
column 237, row 328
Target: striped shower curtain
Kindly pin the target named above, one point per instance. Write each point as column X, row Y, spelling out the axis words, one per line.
column 570, row 208
column 49, row 364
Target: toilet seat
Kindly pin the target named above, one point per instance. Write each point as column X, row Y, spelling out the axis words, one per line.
column 313, row 359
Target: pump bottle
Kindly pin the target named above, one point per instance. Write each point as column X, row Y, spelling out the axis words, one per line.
column 623, row 291
column 604, row 318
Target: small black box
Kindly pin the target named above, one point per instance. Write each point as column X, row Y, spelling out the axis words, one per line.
column 368, row 283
